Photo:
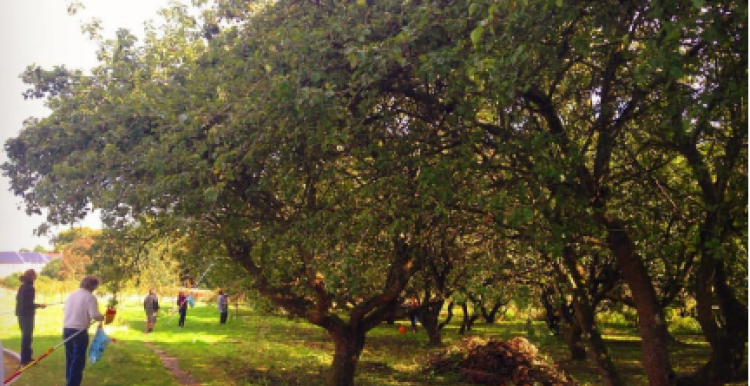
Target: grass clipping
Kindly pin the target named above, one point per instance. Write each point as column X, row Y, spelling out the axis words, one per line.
column 496, row 362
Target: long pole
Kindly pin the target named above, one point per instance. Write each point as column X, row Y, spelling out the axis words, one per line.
column 194, row 285
column 46, row 305
column 10, row 380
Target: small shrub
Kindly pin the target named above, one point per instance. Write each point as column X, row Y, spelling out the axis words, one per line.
column 684, row 325
column 52, row 269
column 619, row 318
column 12, row 281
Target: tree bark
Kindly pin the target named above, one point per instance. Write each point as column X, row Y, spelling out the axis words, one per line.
column 468, row 320
column 429, row 315
column 584, row 314
column 491, row 314
column 652, row 324
column 728, row 362
column 349, row 343
column 584, row 317
column 573, row 335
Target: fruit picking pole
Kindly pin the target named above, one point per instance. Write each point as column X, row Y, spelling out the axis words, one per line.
column 10, row 380
column 194, row 285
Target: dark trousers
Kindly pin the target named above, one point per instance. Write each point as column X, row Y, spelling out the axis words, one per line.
column 413, row 317
column 223, row 317
column 183, row 313
column 26, row 323
column 75, row 355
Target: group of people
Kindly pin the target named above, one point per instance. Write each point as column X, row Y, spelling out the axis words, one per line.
column 81, row 308
column 151, row 306
column 80, row 311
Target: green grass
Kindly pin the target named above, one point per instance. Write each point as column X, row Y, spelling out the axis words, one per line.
column 255, row 350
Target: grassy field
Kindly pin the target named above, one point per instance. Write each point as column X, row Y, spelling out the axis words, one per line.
column 256, row 350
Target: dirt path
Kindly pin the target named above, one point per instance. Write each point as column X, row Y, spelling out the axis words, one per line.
column 171, row 363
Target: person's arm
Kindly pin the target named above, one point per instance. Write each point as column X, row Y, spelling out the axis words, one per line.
column 94, row 309
column 33, row 298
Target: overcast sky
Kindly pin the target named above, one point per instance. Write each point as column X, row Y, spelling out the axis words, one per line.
column 41, row 32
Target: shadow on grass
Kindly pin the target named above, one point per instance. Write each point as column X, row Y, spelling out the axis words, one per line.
column 254, row 349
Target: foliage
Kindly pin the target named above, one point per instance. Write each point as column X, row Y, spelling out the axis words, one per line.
column 12, row 281
column 335, row 149
column 52, row 269
column 112, row 302
column 74, row 244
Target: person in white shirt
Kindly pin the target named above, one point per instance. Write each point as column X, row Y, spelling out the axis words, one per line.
column 80, row 309
column 222, row 306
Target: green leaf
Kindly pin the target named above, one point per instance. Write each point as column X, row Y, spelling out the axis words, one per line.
column 476, row 35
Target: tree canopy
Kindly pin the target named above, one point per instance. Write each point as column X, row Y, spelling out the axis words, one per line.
column 336, row 149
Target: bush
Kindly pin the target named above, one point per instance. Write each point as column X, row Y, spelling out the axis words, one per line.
column 52, row 269
column 684, row 325
column 620, row 318
column 12, row 281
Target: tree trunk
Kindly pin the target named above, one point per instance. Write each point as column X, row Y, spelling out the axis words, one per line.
column 349, row 343
column 468, row 320
column 550, row 312
column 652, row 324
column 584, row 315
column 728, row 362
column 573, row 336
column 583, row 310
column 491, row 315
column 429, row 315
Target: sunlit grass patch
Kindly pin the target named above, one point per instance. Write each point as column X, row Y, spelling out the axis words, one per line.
column 255, row 349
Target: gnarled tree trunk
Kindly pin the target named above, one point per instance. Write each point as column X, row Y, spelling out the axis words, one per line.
column 652, row 323
column 348, row 343
column 584, row 316
column 468, row 319
column 430, row 315
column 728, row 361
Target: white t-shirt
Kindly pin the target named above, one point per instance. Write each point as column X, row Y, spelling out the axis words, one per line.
column 80, row 308
column 221, row 303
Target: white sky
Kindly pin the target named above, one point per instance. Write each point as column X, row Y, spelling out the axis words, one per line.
column 41, row 32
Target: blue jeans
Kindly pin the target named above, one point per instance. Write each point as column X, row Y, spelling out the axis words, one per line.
column 26, row 323
column 183, row 313
column 75, row 355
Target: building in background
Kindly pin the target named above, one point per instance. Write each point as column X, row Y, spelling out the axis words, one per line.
column 12, row 262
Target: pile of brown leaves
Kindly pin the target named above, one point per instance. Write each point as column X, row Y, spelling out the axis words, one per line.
column 500, row 363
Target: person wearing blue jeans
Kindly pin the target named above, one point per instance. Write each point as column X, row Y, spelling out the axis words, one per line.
column 81, row 308
column 75, row 355
column 25, row 311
